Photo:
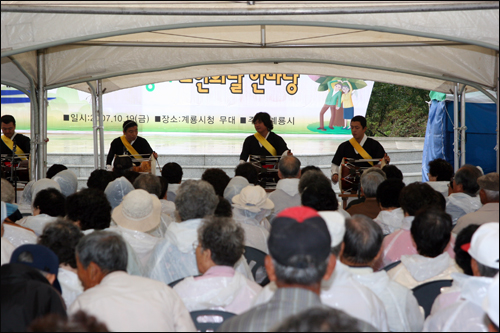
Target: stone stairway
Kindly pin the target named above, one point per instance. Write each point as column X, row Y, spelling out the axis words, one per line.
column 409, row 161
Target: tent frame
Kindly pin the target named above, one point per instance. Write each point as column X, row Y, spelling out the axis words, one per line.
column 38, row 91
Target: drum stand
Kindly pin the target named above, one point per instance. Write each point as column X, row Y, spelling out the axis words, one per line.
column 267, row 167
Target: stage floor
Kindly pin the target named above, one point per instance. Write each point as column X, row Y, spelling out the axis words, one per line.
column 205, row 143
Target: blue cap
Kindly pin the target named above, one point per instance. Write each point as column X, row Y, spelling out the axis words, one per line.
column 44, row 259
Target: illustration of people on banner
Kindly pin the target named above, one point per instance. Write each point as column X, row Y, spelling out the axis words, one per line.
column 338, row 100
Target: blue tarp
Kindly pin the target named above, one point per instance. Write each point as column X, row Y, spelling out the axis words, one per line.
column 480, row 121
column 435, row 136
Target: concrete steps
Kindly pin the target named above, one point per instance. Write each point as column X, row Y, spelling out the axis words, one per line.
column 409, row 161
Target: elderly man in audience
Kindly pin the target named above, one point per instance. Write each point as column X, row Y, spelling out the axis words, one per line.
column 299, row 245
column 89, row 209
column 316, row 192
column 172, row 172
column 218, row 178
column 391, row 214
column 62, row 237
column 174, row 257
column 287, row 190
column 370, row 180
column 137, row 218
column 220, row 246
column 124, row 302
column 152, row 184
column 466, row 313
column 29, row 287
column 341, row 291
column 47, row 206
column 100, row 178
column 30, row 191
column 245, row 174
column 413, row 197
column 431, row 232
column 489, row 196
column 362, row 247
column 116, row 190
column 463, row 198
column 440, row 174
column 250, row 209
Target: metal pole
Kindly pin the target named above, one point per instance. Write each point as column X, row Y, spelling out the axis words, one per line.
column 34, row 134
column 42, row 116
column 100, row 113
column 498, row 118
column 94, row 126
column 463, row 128
column 248, row 11
column 456, row 152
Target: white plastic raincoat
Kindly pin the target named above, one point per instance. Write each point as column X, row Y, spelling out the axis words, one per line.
column 232, row 294
column 403, row 312
column 465, row 315
column 415, row 269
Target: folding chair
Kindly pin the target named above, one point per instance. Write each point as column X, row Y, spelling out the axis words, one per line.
column 426, row 293
column 209, row 320
column 391, row 265
column 258, row 257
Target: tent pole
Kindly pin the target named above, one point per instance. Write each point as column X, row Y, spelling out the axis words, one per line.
column 42, row 117
column 33, row 119
column 100, row 113
column 455, row 129
column 463, row 128
column 94, row 126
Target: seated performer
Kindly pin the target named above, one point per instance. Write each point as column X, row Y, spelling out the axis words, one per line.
column 264, row 142
column 10, row 137
column 359, row 147
column 129, row 144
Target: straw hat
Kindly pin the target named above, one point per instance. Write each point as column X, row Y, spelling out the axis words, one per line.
column 138, row 211
column 253, row 199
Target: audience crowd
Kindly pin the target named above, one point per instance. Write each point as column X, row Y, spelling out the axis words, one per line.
column 139, row 252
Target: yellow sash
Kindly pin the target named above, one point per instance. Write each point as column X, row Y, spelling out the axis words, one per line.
column 10, row 144
column 266, row 144
column 129, row 147
column 360, row 150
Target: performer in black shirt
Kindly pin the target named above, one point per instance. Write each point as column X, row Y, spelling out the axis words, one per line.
column 11, row 138
column 129, row 137
column 346, row 149
column 264, row 142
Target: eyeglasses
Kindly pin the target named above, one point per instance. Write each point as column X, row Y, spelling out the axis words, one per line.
column 195, row 245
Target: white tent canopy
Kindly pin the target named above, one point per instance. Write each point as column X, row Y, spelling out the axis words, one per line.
column 424, row 44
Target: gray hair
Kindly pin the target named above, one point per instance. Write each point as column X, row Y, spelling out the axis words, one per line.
column 362, row 240
column 302, row 276
column 289, row 166
column 8, row 193
column 310, row 177
column 491, row 196
column 106, row 249
column 195, row 199
column 370, row 180
column 224, row 238
column 148, row 182
column 320, row 319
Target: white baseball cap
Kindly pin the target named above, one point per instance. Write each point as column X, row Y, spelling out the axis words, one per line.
column 335, row 222
column 490, row 303
column 484, row 245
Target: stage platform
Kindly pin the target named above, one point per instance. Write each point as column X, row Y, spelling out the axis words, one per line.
column 196, row 152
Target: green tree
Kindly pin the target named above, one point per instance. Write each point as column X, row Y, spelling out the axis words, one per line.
column 397, row 111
